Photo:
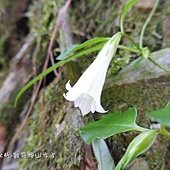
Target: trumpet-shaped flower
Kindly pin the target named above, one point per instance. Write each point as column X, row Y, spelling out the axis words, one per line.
column 86, row 93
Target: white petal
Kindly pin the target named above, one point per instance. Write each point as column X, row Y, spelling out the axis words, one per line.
column 78, row 101
column 99, row 108
column 84, row 102
column 85, row 108
column 68, row 86
column 64, row 95
column 93, row 108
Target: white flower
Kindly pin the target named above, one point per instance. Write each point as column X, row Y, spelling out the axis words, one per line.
column 86, row 93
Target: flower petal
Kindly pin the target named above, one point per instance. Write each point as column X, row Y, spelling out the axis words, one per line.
column 68, row 86
column 86, row 93
column 86, row 103
column 99, row 108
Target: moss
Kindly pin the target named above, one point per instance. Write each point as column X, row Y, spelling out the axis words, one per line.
column 48, row 133
column 2, row 60
column 40, row 126
column 94, row 22
column 70, row 155
column 42, row 16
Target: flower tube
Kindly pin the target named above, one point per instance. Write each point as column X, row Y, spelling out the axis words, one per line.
column 86, row 93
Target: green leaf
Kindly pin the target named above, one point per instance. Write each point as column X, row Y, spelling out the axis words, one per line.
column 95, row 47
column 138, row 146
column 126, row 9
column 102, row 155
column 162, row 115
column 109, row 125
column 128, row 6
column 87, row 45
column 66, row 53
column 91, row 42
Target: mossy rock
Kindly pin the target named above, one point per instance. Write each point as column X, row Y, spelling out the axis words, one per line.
column 53, row 123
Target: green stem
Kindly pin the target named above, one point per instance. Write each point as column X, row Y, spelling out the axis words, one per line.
column 163, row 131
column 121, row 25
column 160, row 66
column 146, row 23
column 129, row 49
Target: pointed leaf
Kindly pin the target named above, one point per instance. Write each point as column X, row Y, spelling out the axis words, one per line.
column 109, row 125
column 138, row 146
column 66, row 53
column 128, row 6
column 86, row 46
column 102, row 155
column 162, row 115
column 91, row 42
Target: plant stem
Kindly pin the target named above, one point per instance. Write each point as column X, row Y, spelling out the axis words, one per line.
column 163, row 131
column 146, row 23
column 121, row 25
column 160, row 66
column 129, row 49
